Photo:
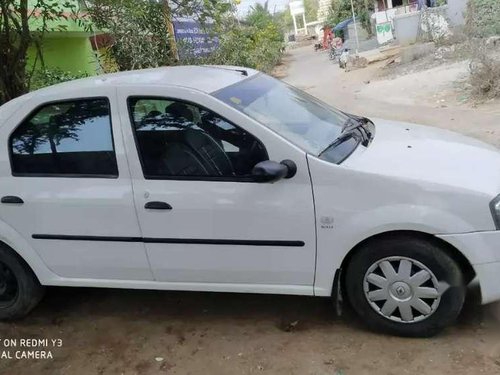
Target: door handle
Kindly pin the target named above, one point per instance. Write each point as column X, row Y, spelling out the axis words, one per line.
column 157, row 206
column 11, row 199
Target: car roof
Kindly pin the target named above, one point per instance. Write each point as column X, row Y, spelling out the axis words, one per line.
column 207, row 79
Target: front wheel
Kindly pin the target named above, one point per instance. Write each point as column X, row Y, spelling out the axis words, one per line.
column 405, row 286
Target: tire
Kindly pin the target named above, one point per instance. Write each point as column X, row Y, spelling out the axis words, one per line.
column 443, row 291
column 20, row 290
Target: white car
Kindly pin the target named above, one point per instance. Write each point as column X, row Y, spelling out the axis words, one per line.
column 225, row 179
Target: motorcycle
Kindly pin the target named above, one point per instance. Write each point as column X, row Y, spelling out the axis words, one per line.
column 334, row 53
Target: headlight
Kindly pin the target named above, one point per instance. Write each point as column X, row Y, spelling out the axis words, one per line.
column 495, row 210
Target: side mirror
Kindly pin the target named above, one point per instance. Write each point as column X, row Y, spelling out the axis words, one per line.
column 271, row 171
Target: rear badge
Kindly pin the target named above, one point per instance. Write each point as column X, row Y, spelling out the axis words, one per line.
column 326, row 222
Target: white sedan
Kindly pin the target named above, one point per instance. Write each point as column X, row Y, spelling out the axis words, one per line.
column 225, row 179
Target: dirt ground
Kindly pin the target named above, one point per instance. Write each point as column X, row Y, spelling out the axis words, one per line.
column 438, row 96
column 146, row 332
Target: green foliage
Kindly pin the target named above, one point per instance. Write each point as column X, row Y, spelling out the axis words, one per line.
column 24, row 23
column 339, row 11
column 201, row 10
column 139, row 35
column 259, row 15
column 342, row 9
column 485, row 74
column 141, row 38
column 483, row 18
column 250, row 47
column 311, row 8
column 256, row 43
column 138, row 29
column 47, row 77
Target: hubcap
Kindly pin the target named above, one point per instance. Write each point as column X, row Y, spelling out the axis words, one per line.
column 401, row 289
column 8, row 286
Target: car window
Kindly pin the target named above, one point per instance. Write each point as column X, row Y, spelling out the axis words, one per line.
column 295, row 115
column 72, row 138
column 176, row 139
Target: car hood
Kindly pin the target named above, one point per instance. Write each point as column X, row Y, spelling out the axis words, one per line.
column 427, row 154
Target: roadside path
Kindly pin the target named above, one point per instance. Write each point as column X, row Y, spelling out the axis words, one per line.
column 395, row 99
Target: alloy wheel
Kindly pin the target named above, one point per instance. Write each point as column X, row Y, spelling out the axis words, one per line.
column 402, row 289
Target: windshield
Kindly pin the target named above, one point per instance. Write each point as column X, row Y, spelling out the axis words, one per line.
column 290, row 112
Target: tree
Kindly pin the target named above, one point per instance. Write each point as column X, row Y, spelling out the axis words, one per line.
column 311, row 8
column 259, row 15
column 339, row 11
column 255, row 42
column 139, row 36
column 56, row 123
column 483, row 18
column 23, row 24
column 342, row 9
column 139, row 29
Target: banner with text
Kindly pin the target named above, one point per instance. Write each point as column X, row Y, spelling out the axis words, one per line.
column 194, row 39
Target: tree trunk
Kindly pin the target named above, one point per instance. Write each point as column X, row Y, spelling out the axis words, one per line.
column 12, row 80
column 15, row 39
column 53, row 148
column 171, row 32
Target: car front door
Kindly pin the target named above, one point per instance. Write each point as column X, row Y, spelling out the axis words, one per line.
column 67, row 191
column 206, row 224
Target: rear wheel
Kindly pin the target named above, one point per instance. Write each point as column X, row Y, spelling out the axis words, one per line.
column 405, row 286
column 20, row 290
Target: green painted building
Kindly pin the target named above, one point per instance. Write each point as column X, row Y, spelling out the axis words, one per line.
column 67, row 45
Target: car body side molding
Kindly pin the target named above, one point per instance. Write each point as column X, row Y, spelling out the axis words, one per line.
column 199, row 241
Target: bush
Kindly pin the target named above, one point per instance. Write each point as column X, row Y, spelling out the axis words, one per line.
column 482, row 24
column 48, row 77
column 485, row 70
column 256, row 42
column 483, row 18
column 138, row 33
column 250, row 47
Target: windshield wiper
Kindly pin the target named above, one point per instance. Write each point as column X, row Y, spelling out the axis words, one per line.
column 354, row 127
column 358, row 123
column 341, row 139
column 351, row 124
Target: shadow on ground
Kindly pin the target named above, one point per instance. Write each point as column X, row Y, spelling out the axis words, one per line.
column 112, row 331
column 60, row 304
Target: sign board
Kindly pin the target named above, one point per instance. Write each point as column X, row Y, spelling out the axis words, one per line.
column 384, row 32
column 193, row 39
column 297, row 7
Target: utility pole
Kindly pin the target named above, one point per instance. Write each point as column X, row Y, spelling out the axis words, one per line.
column 171, row 32
column 355, row 27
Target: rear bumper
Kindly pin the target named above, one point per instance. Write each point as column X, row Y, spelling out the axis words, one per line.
column 482, row 250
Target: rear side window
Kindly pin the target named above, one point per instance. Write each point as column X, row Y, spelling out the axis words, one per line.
column 72, row 138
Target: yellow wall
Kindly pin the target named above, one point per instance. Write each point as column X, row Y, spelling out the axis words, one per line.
column 72, row 54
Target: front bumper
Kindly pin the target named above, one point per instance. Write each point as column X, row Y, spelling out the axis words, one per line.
column 482, row 250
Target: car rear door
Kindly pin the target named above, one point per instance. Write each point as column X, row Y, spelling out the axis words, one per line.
column 65, row 187
column 222, row 233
